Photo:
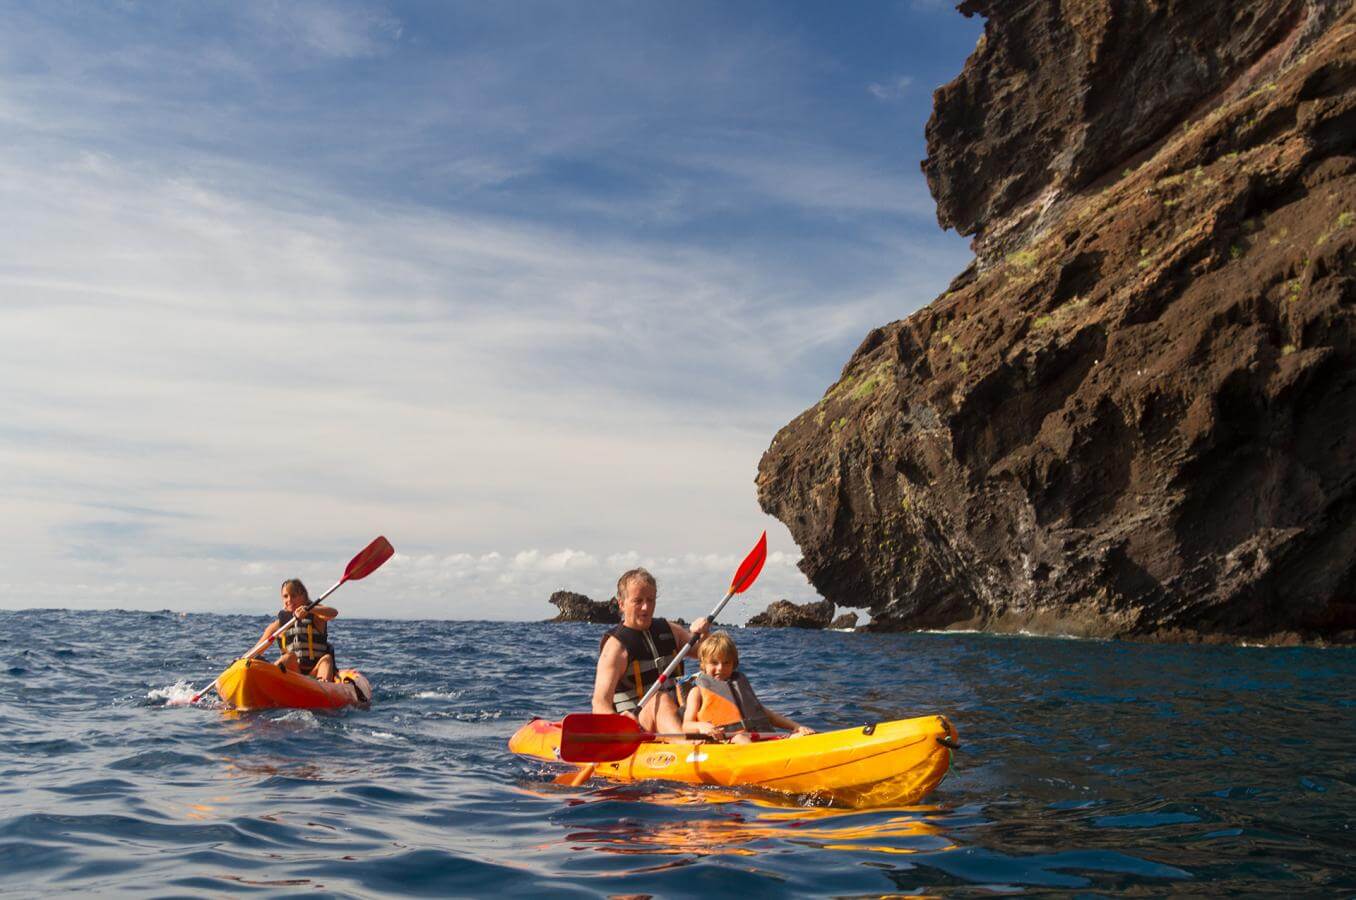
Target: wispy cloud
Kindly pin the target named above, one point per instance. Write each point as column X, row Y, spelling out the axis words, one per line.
column 350, row 274
column 892, row 89
column 331, row 30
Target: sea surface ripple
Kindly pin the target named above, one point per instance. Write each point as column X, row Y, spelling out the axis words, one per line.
column 1087, row 768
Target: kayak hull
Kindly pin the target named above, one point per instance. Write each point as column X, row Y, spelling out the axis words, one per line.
column 256, row 684
column 886, row 764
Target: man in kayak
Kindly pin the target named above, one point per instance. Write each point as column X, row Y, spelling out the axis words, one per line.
column 723, row 704
column 632, row 655
column 305, row 644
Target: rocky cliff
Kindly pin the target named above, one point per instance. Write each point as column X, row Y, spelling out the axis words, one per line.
column 1135, row 413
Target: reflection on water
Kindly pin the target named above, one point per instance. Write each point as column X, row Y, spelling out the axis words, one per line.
column 739, row 835
column 742, row 823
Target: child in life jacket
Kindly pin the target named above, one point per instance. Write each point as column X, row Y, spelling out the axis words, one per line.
column 722, row 704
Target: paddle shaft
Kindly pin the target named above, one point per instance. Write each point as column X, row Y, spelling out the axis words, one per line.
column 264, row 642
column 587, row 770
column 368, row 560
column 680, row 656
column 744, row 576
column 634, row 737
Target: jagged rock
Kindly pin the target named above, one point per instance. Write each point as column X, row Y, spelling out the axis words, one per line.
column 1057, row 95
column 844, row 622
column 1135, row 414
column 578, row 608
column 785, row 614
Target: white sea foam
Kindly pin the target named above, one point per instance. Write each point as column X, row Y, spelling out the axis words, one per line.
column 177, row 694
column 437, row 695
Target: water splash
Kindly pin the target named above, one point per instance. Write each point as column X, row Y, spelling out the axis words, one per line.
column 177, row 694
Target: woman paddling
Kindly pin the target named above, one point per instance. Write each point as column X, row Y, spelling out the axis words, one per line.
column 632, row 654
column 304, row 644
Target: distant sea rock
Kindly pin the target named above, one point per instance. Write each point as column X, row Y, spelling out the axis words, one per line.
column 785, row 614
column 579, row 608
column 1133, row 414
column 844, row 622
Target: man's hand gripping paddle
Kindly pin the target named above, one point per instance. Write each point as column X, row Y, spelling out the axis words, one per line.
column 362, row 565
column 583, row 735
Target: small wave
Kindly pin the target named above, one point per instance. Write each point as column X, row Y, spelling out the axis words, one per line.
column 437, row 695
column 177, row 694
column 300, row 716
column 950, row 631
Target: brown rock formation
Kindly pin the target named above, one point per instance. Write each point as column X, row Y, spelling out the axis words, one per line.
column 785, row 614
column 578, row 608
column 844, row 622
column 1135, row 413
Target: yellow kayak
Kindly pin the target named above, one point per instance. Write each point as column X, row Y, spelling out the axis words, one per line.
column 257, row 684
column 886, row 764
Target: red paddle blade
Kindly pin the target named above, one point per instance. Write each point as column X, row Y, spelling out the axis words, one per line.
column 369, row 560
column 593, row 737
column 750, row 567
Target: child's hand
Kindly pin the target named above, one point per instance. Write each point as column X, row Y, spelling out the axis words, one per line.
column 716, row 732
column 801, row 729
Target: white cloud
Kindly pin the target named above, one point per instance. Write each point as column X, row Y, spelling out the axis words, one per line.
column 245, row 327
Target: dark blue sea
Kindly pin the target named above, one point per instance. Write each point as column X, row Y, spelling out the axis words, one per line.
column 1087, row 768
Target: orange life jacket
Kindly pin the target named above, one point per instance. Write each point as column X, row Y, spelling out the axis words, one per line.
column 732, row 702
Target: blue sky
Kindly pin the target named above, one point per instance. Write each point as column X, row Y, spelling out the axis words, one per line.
column 527, row 287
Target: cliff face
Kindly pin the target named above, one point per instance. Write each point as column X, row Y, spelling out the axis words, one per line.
column 1135, row 413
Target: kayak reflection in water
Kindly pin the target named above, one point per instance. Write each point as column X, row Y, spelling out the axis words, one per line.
column 305, row 644
column 632, row 655
column 722, row 702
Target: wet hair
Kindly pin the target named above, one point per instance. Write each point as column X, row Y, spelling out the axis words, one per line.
column 631, row 575
column 718, row 645
column 296, row 585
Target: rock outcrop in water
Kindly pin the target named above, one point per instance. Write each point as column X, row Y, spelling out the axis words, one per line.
column 845, row 622
column 579, row 608
column 785, row 614
column 1135, row 413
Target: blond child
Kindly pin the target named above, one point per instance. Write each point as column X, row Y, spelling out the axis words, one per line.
column 722, row 703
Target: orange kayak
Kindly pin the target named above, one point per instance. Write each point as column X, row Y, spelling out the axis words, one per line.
column 885, row 764
column 257, row 684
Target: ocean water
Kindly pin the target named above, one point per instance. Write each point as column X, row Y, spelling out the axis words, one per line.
column 1086, row 768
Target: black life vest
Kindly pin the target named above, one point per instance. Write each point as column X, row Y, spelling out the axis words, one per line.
column 309, row 640
column 648, row 654
column 732, row 702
